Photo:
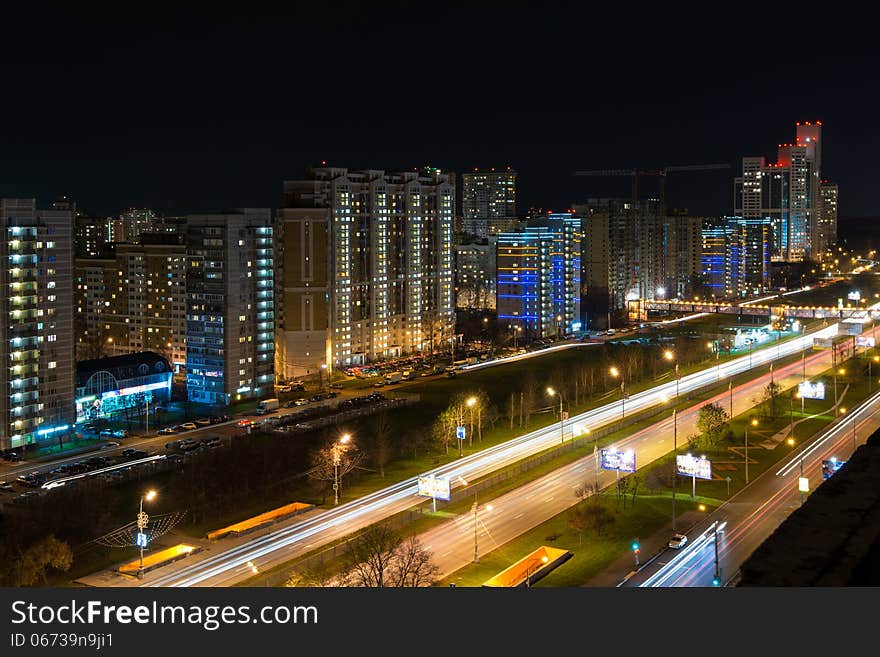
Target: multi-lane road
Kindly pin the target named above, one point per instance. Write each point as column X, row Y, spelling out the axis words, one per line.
column 750, row 516
column 218, row 567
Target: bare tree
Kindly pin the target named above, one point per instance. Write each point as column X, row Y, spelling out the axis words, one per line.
column 411, row 565
column 579, row 520
column 371, row 554
column 380, row 442
column 598, row 516
column 332, row 462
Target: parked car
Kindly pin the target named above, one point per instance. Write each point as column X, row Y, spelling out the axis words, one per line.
column 302, row 401
column 677, row 541
column 13, row 457
column 105, row 433
column 284, row 388
column 189, row 426
column 217, row 419
column 120, row 433
column 166, row 431
column 336, row 386
column 110, row 444
column 203, row 422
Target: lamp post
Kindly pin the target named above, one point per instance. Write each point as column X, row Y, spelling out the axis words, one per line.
column 670, row 355
column 474, row 508
column 616, row 373
column 532, row 568
column 716, row 579
column 552, row 392
column 142, row 520
column 674, row 461
column 874, row 359
column 471, row 402
column 754, row 424
column 338, row 446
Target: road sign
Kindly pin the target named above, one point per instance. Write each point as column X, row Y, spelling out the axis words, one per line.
column 811, row 390
column 460, row 433
column 803, row 484
column 141, row 540
column 564, row 415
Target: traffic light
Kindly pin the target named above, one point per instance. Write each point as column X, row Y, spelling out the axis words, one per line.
column 716, row 581
column 635, row 546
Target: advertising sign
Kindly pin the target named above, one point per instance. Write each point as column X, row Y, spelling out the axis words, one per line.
column 851, row 328
column 611, row 459
column 830, row 466
column 803, row 484
column 864, row 341
column 811, row 390
column 436, row 487
column 854, row 296
column 822, row 343
column 693, row 466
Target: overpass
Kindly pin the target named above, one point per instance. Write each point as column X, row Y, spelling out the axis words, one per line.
column 642, row 307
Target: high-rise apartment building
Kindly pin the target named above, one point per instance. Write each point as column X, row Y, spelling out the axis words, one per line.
column 230, row 291
column 134, row 222
column 736, row 256
column 827, row 225
column 133, row 301
column 365, row 268
column 788, row 193
column 488, row 201
column 539, row 278
column 36, row 326
column 89, row 235
column 635, row 252
column 475, row 275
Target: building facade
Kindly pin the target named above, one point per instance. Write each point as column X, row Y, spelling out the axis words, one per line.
column 736, row 256
column 488, row 202
column 36, row 326
column 122, row 386
column 133, row 301
column 787, row 192
column 827, row 229
column 365, row 268
column 475, row 275
column 134, row 222
column 230, row 298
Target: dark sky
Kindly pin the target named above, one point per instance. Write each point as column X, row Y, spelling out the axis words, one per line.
column 204, row 110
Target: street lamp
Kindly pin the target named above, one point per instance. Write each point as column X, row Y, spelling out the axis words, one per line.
column 616, row 373
column 754, row 423
column 532, row 568
column 471, row 402
column 552, row 392
column 142, row 520
column 338, row 447
column 875, row 359
column 670, row 355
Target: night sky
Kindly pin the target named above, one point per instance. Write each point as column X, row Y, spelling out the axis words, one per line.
column 207, row 110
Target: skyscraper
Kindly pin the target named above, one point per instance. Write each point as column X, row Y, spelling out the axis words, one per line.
column 827, row 229
column 36, row 326
column 134, row 222
column 475, row 275
column 230, row 291
column 736, row 256
column 786, row 192
column 365, row 268
column 488, row 201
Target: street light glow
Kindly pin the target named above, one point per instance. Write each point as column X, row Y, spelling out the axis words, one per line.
column 614, row 371
column 668, row 355
column 345, row 438
column 471, row 401
column 150, row 496
column 550, row 391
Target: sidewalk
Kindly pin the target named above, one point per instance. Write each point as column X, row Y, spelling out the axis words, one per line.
column 614, row 573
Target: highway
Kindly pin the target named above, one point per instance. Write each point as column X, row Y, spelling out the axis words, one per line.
column 219, row 568
column 519, row 510
column 750, row 516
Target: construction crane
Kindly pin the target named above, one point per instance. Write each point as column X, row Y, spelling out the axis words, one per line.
column 659, row 173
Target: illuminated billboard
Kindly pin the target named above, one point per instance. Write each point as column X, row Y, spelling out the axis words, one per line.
column 811, row 390
column 850, row 328
column 436, row 487
column 822, row 343
column 864, row 341
column 830, row 466
column 612, row 459
column 693, row 466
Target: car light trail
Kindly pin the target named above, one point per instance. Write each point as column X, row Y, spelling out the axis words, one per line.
column 376, row 506
column 55, row 483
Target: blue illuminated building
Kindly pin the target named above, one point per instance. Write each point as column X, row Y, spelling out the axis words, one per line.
column 736, row 255
column 121, row 385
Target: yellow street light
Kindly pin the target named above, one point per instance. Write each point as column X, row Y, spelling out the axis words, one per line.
column 755, row 423
column 550, row 391
column 471, row 401
column 614, row 371
column 790, row 441
column 150, row 496
column 702, row 507
column 842, row 410
column 841, row 371
column 668, row 355
column 345, row 438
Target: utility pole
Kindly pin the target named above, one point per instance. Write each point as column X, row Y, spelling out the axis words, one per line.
column 674, row 461
column 747, row 455
column 730, row 390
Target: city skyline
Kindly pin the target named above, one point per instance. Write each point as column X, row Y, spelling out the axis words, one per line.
column 218, row 131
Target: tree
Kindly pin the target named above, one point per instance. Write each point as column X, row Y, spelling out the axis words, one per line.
column 46, row 553
column 380, row 442
column 660, row 476
column 598, row 516
column 579, row 520
column 712, row 422
column 379, row 557
column 443, row 429
column 770, row 399
column 412, row 566
column 317, row 576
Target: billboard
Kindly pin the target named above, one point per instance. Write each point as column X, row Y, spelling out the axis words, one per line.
column 611, row 459
column 811, row 390
column 436, row 487
column 692, row 466
column 850, row 328
column 864, row 341
column 830, row 466
column 822, row 343
column 854, row 296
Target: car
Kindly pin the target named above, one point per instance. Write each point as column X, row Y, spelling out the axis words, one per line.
column 105, row 433
column 336, row 386
column 217, row 419
column 380, row 383
column 110, row 444
column 12, row 457
column 6, row 486
column 290, row 404
column 120, row 433
column 189, row 426
column 302, row 401
column 166, row 431
column 129, row 452
column 677, row 541
column 203, row 422
column 244, row 422
column 332, row 394
column 284, row 388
